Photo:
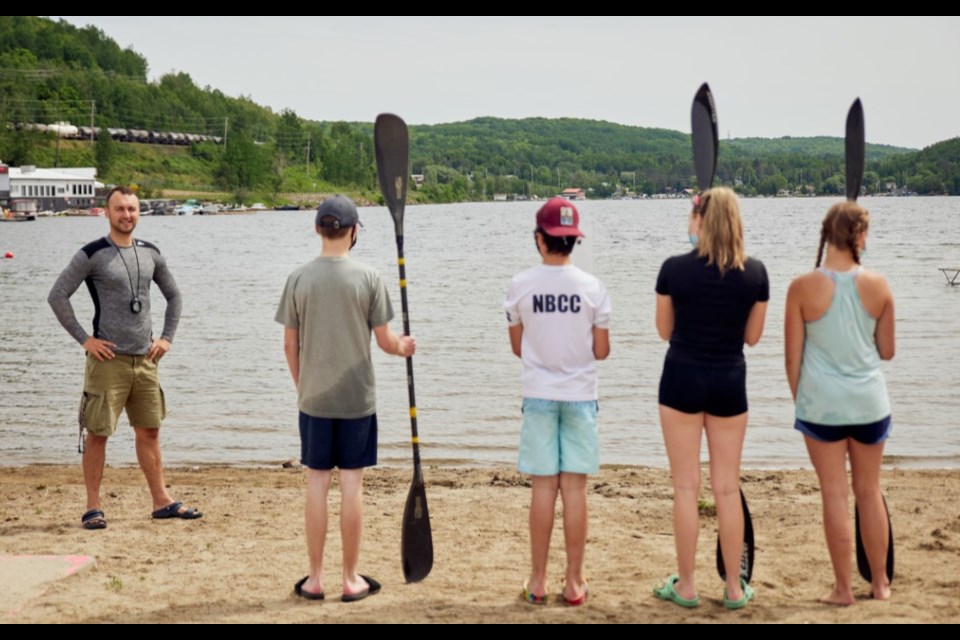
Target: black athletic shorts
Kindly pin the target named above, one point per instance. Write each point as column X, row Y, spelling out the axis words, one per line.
column 718, row 391
column 326, row 443
column 872, row 433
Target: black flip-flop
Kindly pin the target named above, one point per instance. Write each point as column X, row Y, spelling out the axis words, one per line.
column 309, row 595
column 373, row 589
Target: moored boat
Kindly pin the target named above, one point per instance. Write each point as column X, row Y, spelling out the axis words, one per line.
column 16, row 216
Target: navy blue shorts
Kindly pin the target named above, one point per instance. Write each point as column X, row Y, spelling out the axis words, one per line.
column 873, row 433
column 718, row 391
column 326, row 443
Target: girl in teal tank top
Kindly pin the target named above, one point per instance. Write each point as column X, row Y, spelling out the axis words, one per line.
column 841, row 383
column 839, row 326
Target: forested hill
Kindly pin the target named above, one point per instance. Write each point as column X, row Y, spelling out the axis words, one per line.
column 52, row 71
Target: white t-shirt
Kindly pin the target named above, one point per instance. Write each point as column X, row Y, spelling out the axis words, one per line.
column 558, row 308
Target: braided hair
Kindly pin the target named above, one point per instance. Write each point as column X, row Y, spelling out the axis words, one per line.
column 841, row 227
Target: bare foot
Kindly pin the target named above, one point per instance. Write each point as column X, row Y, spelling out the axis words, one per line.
column 354, row 587
column 731, row 593
column 837, row 598
column 880, row 591
column 312, row 586
column 573, row 594
column 536, row 588
column 686, row 591
column 309, row 588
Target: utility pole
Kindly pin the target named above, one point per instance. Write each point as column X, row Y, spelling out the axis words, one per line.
column 56, row 162
column 225, row 122
column 308, row 155
column 93, row 116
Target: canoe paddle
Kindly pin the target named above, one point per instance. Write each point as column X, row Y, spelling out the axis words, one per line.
column 706, row 141
column 393, row 168
column 855, row 154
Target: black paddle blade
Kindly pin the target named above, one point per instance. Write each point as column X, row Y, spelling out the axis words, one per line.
column 416, row 540
column 746, row 560
column 855, row 148
column 863, row 565
column 703, row 127
column 393, row 163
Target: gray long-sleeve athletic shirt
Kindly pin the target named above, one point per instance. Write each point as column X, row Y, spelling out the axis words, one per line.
column 111, row 276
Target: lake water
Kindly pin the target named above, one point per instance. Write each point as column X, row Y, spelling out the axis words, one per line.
column 230, row 396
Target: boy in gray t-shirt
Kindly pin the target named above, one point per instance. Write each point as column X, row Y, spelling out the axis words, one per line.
column 329, row 308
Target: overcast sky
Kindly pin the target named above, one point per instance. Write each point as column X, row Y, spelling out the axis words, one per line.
column 770, row 77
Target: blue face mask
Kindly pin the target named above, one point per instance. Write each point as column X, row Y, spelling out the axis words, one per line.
column 694, row 240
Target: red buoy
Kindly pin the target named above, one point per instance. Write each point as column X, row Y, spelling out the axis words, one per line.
column 8, row 255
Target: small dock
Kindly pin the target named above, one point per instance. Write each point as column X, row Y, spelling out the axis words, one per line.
column 952, row 274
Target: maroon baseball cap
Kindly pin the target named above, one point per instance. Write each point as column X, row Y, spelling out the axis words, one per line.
column 558, row 217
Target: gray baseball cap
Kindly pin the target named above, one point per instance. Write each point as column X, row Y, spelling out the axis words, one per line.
column 341, row 209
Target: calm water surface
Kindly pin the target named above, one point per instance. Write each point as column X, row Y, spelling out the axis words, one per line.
column 231, row 399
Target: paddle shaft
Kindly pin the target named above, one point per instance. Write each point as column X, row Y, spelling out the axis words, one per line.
column 414, row 437
column 416, row 541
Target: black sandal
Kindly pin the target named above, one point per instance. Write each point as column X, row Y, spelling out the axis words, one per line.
column 93, row 519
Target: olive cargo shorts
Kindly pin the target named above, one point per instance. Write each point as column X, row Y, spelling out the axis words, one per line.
column 126, row 382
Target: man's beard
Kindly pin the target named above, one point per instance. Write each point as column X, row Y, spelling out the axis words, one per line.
column 119, row 229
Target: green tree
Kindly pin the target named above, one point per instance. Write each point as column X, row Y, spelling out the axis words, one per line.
column 104, row 152
column 19, row 146
column 348, row 156
column 291, row 138
column 243, row 164
column 772, row 184
column 833, row 185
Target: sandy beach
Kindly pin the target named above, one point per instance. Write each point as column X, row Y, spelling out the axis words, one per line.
column 239, row 563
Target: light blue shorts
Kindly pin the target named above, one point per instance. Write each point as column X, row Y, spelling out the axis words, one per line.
column 559, row 437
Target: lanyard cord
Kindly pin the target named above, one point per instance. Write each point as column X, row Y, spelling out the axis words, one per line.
column 135, row 292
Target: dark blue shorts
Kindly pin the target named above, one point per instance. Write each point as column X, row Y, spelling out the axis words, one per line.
column 718, row 391
column 873, row 433
column 326, row 443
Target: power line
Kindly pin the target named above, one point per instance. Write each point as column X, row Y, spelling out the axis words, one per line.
column 37, row 74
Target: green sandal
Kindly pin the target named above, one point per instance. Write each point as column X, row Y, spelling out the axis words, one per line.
column 744, row 599
column 668, row 591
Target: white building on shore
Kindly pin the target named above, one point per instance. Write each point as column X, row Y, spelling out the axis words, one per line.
column 55, row 189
